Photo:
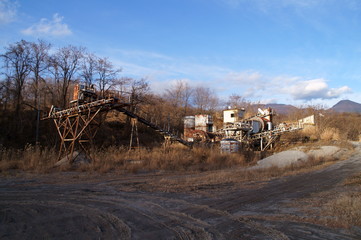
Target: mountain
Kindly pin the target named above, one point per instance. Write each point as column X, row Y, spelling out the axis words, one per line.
column 347, row 106
column 281, row 108
column 342, row 106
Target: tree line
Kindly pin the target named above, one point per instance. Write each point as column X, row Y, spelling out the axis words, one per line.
column 35, row 76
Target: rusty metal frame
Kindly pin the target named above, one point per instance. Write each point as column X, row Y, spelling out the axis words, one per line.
column 77, row 130
column 78, row 125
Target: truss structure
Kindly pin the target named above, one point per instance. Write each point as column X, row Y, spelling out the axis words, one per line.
column 77, row 130
column 266, row 139
column 78, row 125
column 263, row 140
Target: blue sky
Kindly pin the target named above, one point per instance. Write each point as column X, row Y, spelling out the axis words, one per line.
column 297, row 52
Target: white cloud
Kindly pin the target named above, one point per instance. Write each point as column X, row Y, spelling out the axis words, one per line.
column 337, row 92
column 161, row 71
column 256, row 86
column 249, row 83
column 54, row 27
column 244, row 77
column 160, row 87
column 162, row 67
column 316, row 89
column 8, row 11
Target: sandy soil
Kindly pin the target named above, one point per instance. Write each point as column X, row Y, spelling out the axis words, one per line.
column 75, row 205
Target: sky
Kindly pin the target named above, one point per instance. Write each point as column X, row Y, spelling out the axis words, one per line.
column 300, row 52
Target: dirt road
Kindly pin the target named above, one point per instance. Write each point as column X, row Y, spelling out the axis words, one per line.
column 88, row 206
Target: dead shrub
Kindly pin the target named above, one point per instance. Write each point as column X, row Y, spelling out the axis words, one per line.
column 330, row 134
column 310, row 131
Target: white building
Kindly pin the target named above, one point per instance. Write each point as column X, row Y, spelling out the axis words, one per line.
column 233, row 115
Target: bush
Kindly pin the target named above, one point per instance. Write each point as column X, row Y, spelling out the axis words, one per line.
column 330, row 134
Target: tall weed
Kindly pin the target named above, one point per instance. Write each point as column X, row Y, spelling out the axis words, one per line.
column 31, row 158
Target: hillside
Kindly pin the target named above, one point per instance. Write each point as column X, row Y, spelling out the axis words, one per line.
column 347, row 106
column 281, row 108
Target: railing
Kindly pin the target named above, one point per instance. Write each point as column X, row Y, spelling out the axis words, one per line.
column 107, row 104
column 281, row 128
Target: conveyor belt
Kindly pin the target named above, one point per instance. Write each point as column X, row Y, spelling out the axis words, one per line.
column 154, row 126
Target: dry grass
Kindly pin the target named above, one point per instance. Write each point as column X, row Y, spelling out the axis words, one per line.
column 36, row 159
column 345, row 209
column 29, row 159
column 310, row 131
column 330, row 134
column 203, row 167
column 354, row 180
column 174, row 159
column 312, row 163
column 233, row 176
column 171, row 159
column 197, row 169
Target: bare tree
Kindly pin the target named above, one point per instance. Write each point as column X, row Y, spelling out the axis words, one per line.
column 205, row 99
column 38, row 64
column 237, row 101
column 65, row 63
column 106, row 75
column 17, row 68
column 180, row 95
column 5, row 93
column 120, row 84
column 88, row 68
column 138, row 92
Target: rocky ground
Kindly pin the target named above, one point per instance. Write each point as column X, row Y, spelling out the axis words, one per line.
column 73, row 205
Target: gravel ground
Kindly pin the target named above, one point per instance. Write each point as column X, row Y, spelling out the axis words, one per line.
column 72, row 205
column 287, row 158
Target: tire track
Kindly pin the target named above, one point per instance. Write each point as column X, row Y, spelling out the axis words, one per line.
column 105, row 221
column 96, row 205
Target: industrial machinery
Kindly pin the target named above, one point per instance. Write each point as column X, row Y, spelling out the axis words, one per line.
column 256, row 133
column 78, row 124
column 83, row 94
